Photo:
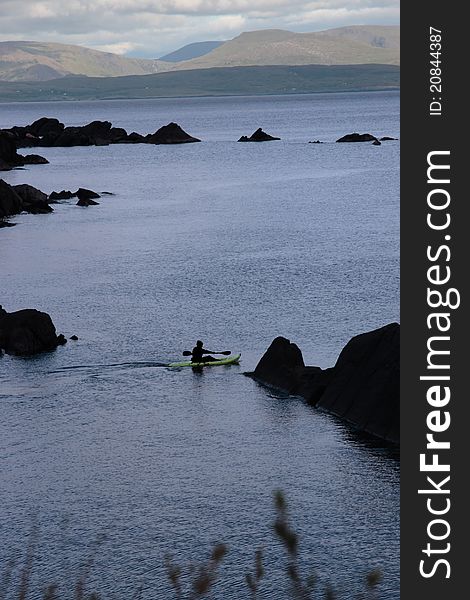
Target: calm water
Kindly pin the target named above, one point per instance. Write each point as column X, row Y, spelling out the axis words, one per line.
column 234, row 244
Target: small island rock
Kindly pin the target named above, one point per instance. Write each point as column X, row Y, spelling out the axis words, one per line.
column 27, row 332
column 258, row 136
column 358, row 137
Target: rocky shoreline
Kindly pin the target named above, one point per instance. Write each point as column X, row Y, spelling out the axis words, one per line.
column 363, row 387
column 48, row 132
column 15, row 199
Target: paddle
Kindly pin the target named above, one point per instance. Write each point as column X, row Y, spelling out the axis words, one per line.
column 189, row 353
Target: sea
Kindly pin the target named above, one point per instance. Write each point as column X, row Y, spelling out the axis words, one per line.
column 114, row 466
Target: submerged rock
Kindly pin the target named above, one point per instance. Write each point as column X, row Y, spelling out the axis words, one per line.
column 258, row 136
column 386, row 138
column 363, row 387
column 27, row 332
column 376, row 143
column 358, row 137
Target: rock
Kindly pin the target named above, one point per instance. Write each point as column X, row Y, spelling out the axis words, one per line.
column 63, row 195
column 258, row 136
column 9, row 156
column 27, row 332
column 34, row 159
column 135, row 138
column 316, row 142
column 10, row 202
column 6, row 223
column 358, row 137
column 34, row 201
column 74, row 338
column 72, row 136
column 46, row 127
column 4, row 166
column 107, row 194
column 84, row 194
column 386, row 138
column 39, row 209
column 86, row 202
column 363, row 387
column 117, row 135
column 30, row 194
column 376, row 143
column 280, row 364
column 282, row 367
column 171, row 134
column 97, row 129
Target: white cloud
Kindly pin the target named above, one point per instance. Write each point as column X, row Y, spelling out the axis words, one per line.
column 153, row 27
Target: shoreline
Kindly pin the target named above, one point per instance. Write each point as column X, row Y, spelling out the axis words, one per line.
column 195, row 97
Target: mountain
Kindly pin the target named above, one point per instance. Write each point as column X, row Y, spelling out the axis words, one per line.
column 191, row 51
column 368, row 44
column 360, row 44
column 37, row 61
column 210, row 82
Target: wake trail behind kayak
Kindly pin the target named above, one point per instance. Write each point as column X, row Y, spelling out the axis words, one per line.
column 129, row 365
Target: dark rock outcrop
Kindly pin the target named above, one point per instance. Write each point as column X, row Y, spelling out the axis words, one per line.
column 27, row 332
column 280, row 365
column 376, row 143
column 258, row 136
column 46, row 127
column 171, row 134
column 358, row 137
column 63, row 195
column 84, row 194
column 10, row 202
column 4, row 166
column 47, row 132
column 387, row 138
column 18, row 198
column 34, row 201
column 363, row 387
column 9, row 157
column 87, row 202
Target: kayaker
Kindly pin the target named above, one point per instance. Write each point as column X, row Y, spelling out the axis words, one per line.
column 197, row 354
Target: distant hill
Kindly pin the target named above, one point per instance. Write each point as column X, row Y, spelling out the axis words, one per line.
column 210, row 82
column 191, row 51
column 371, row 44
column 361, row 44
column 36, row 61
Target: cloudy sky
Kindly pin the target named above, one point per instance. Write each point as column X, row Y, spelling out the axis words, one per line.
column 150, row 28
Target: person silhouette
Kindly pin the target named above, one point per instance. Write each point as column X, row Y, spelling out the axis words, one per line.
column 198, row 352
